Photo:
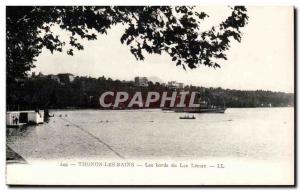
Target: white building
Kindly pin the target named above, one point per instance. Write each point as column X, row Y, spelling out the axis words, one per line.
column 141, row 81
column 18, row 118
column 66, row 78
column 71, row 77
column 175, row 85
column 180, row 85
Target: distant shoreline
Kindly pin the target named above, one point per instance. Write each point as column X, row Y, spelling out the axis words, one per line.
column 127, row 109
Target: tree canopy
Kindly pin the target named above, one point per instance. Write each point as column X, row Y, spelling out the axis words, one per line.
column 84, row 92
column 149, row 29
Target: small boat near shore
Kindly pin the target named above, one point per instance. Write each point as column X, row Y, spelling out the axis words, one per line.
column 187, row 117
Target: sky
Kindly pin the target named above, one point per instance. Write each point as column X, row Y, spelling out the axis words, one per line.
column 264, row 60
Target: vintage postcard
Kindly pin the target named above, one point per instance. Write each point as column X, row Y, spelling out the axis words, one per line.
column 150, row 95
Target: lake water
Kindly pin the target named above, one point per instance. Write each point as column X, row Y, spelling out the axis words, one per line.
column 251, row 133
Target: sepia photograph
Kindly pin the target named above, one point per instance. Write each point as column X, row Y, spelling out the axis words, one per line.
column 150, row 95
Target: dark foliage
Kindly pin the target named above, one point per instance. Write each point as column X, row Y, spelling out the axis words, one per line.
column 84, row 92
column 154, row 30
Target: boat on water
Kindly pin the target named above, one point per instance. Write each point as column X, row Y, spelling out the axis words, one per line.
column 187, row 117
column 204, row 108
column 210, row 109
column 207, row 110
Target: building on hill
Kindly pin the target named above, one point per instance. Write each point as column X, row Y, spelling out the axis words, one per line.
column 65, row 78
column 141, row 81
column 54, row 77
column 175, row 85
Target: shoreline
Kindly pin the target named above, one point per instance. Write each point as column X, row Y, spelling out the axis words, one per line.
column 160, row 108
